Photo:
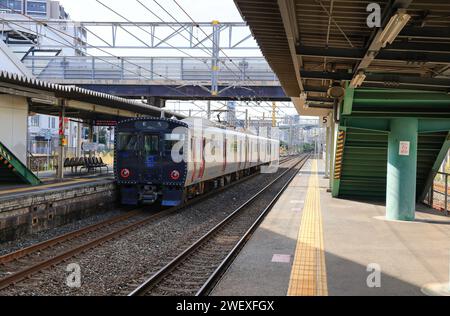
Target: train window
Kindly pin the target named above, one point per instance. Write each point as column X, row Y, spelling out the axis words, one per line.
column 151, row 144
column 127, row 141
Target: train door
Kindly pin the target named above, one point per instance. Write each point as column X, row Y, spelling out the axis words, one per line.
column 246, row 152
column 150, row 156
column 258, row 151
column 201, row 172
column 128, row 156
column 225, row 148
column 234, row 149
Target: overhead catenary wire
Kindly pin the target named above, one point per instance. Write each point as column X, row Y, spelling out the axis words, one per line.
column 223, row 52
column 56, row 31
column 99, row 58
column 162, row 20
column 148, row 9
column 70, row 45
column 171, row 16
column 194, row 37
column 199, row 42
column 194, row 24
column 146, row 31
column 129, row 21
column 39, row 22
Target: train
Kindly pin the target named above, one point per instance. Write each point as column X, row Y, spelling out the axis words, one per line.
column 172, row 161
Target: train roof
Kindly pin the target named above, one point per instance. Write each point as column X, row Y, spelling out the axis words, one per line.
column 191, row 121
column 151, row 118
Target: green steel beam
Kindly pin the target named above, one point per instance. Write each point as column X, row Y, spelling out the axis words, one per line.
column 16, row 167
column 382, row 124
column 400, row 96
column 369, row 116
column 437, row 164
column 379, row 125
column 434, row 125
column 348, row 101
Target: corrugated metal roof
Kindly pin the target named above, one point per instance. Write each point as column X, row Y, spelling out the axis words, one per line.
column 83, row 95
column 328, row 30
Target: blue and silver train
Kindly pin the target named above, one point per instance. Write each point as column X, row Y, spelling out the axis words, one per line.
column 171, row 161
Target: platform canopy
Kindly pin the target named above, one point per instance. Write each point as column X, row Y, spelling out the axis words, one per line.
column 45, row 98
column 313, row 44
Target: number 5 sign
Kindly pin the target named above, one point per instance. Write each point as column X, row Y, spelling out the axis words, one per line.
column 404, row 148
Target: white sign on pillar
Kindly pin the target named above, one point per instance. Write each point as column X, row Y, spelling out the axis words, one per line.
column 404, row 148
column 325, row 121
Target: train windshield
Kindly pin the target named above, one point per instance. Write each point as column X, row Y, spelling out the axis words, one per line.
column 127, row 141
column 151, row 144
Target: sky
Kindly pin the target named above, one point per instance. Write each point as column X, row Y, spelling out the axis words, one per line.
column 199, row 10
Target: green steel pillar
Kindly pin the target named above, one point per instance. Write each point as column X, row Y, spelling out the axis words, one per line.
column 401, row 169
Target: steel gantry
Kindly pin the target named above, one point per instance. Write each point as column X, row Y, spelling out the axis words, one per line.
column 157, row 35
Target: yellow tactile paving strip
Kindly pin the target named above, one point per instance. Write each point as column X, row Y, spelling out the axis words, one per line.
column 308, row 275
column 46, row 186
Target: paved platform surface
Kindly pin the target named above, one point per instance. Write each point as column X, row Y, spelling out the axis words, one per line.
column 69, row 182
column 339, row 248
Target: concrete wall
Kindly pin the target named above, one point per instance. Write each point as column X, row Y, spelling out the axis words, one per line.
column 32, row 212
column 14, row 125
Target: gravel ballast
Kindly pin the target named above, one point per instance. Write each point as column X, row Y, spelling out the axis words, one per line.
column 118, row 266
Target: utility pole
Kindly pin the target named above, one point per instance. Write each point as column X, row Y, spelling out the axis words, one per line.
column 208, row 110
column 215, row 58
column 290, row 135
column 274, row 113
column 246, row 119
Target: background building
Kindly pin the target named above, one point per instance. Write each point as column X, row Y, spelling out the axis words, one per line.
column 37, row 8
column 43, row 130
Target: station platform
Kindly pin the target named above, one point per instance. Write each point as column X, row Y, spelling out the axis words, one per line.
column 50, row 183
column 26, row 209
column 314, row 245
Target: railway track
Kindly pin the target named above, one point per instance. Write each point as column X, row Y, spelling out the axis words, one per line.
column 198, row 268
column 22, row 264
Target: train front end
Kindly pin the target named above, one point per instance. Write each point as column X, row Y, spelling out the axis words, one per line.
column 149, row 161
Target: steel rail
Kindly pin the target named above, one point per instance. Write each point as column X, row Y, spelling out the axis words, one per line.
column 221, row 269
column 167, row 269
column 26, row 272
column 65, row 237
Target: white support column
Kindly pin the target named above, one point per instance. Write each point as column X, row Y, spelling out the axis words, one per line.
column 333, row 137
column 327, row 153
column 79, row 140
column 14, row 125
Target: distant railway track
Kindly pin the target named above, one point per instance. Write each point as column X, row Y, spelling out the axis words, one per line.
column 197, row 269
column 20, row 265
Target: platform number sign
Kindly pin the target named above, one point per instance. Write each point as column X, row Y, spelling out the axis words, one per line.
column 325, row 121
column 404, row 148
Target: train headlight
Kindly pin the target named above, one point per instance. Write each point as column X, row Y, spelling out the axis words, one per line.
column 175, row 175
column 125, row 173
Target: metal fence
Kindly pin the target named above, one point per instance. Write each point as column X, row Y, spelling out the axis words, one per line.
column 43, row 155
column 250, row 70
